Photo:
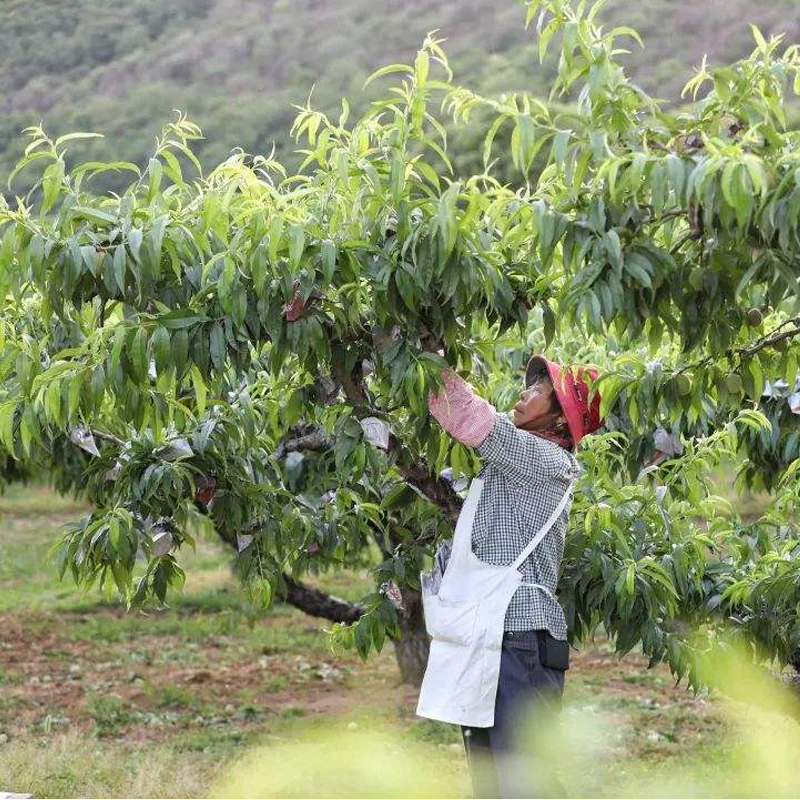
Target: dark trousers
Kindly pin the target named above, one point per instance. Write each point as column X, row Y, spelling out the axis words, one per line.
column 503, row 759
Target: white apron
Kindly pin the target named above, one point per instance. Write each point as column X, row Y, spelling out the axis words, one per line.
column 465, row 620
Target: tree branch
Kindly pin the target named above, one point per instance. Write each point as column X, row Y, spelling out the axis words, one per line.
column 309, row 600
column 109, row 437
column 768, row 341
column 315, row 440
column 434, row 487
column 319, row 604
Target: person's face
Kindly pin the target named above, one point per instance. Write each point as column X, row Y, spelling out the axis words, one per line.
column 537, row 408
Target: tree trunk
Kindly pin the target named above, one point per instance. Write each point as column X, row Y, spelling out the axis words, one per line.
column 411, row 649
column 794, row 661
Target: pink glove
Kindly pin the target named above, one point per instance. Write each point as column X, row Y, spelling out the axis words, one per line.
column 465, row 416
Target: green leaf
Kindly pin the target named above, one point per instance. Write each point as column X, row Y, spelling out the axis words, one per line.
column 549, row 321
column 138, row 356
column 55, row 369
column 745, row 280
column 200, row 389
column 180, row 350
column 492, row 132
column 96, row 167
column 160, row 346
column 630, row 579
column 68, row 137
column 754, row 419
column 378, row 634
column 728, row 174
column 791, row 368
column 362, row 637
column 7, row 248
column 155, row 170
column 120, row 264
column 638, row 267
column 546, row 35
column 527, row 139
column 93, row 214
column 610, row 390
column 52, row 401
column 677, row 176
column 297, row 238
column 120, row 334
column 446, row 218
column 421, row 67
column 758, row 377
column 624, row 30
column 135, row 242
column 560, row 144
column 154, row 240
column 429, row 173
column 172, row 167
column 398, row 495
column 757, row 35
column 113, row 533
column 405, row 285
column 36, row 262
column 658, row 187
column 52, row 183
column 98, row 386
column 7, row 425
column 387, row 70
column 614, row 249
column 633, row 176
column 181, row 318
column 23, row 162
column 217, row 346
column 328, row 259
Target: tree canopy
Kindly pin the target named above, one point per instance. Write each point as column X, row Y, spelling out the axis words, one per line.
column 196, row 334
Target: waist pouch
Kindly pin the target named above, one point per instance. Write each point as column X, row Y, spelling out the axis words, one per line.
column 553, row 653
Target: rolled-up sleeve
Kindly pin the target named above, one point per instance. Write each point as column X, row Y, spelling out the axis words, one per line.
column 525, row 457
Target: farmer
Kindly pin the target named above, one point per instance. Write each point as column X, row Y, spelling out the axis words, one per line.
column 498, row 634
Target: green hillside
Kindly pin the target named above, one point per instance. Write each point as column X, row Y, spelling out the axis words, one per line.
column 237, row 66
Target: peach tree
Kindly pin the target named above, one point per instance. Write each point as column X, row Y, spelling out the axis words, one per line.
column 255, row 349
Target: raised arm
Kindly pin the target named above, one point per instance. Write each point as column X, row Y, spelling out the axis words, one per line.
column 474, row 421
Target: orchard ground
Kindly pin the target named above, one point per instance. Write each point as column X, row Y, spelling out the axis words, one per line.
column 95, row 702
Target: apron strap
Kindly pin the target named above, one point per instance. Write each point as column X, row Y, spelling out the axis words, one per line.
column 529, row 548
column 462, row 538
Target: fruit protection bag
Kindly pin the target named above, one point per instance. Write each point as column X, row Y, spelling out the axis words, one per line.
column 431, row 579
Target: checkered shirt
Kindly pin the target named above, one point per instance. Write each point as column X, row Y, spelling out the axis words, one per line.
column 525, row 477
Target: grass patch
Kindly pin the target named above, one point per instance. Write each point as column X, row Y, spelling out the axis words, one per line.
column 293, row 711
column 97, row 702
column 71, row 765
column 170, row 696
column 108, row 712
column 275, row 684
